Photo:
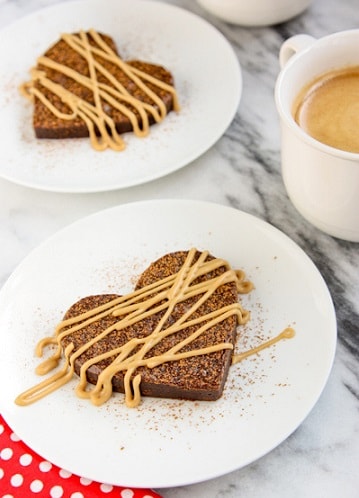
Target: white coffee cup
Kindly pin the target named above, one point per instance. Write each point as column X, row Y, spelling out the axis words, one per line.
column 321, row 181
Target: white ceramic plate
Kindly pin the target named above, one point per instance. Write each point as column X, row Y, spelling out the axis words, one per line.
column 207, row 77
column 168, row 442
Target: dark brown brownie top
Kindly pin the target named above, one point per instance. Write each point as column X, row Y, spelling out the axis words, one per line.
column 173, row 336
column 49, row 125
column 197, row 373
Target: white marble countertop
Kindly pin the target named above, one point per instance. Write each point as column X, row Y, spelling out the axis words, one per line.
column 321, row 459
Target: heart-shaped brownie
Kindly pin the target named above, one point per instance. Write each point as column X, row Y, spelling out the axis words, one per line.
column 81, row 87
column 173, row 337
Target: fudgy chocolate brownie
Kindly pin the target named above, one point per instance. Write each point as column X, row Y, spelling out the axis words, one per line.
column 197, row 377
column 107, row 75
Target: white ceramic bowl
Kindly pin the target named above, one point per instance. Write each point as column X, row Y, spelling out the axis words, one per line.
column 255, row 12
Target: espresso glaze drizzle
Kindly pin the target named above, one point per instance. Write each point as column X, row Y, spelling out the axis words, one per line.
column 162, row 295
column 114, row 94
column 287, row 333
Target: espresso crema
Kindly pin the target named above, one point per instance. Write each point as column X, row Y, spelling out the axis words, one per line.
column 328, row 109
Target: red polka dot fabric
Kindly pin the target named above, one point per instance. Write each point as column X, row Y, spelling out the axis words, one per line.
column 23, row 473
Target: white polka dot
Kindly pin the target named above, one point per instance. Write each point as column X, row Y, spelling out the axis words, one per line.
column 65, row 474
column 6, row 454
column 45, row 466
column 56, row 492
column 25, row 459
column 36, row 486
column 1, row 473
column 106, row 488
column 8, row 496
column 14, row 437
column 84, row 481
column 127, row 493
column 16, row 480
column 77, row 494
column 1, row 428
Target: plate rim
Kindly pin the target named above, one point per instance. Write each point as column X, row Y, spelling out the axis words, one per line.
column 171, row 165
column 243, row 215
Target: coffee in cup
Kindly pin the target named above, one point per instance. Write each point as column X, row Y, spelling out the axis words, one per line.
column 328, row 108
column 321, row 179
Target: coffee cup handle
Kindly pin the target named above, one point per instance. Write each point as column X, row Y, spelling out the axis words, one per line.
column 293, row 45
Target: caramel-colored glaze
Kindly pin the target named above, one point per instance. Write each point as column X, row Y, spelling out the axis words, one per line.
column 115, row 94
column 135, row 306
column 287, row 333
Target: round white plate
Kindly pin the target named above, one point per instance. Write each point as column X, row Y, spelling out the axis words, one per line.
column 207, row 77
column 168, row 442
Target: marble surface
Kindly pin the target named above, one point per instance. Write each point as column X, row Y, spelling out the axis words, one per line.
column 321, row 459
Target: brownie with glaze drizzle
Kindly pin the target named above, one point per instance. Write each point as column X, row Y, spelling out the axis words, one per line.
column 196, row 378
column 48, row 125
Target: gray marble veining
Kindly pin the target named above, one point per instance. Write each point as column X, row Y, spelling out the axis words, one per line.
column 321, row 459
